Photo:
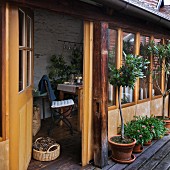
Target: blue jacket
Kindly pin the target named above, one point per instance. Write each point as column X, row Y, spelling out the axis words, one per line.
column 42, row 87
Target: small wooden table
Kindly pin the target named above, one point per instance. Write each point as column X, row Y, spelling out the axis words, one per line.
column 75, row 90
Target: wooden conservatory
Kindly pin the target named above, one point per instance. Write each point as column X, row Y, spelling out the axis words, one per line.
column 31, row 31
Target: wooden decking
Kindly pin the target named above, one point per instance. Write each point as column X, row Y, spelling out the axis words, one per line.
column 154, row 157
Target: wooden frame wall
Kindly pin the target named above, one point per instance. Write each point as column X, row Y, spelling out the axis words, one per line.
column 96, row 14
column 87, row 130
column 100, row 84
column 136, row 52
column 3, row 69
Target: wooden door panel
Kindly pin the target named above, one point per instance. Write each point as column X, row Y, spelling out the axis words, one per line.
column 22, row 137
column 29, row 131
column 20, row 102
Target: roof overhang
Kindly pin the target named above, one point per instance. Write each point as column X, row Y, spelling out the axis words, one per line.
column 133, row 8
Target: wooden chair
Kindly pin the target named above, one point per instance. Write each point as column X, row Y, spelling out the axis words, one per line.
column 60, row 110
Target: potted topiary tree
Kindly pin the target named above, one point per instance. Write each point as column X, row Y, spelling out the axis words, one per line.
column 161, row 53
column 122, row 77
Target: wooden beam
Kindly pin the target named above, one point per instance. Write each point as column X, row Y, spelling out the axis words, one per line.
column 100, row 84
column 2, row 72
column 97, row 13
column 87, row 130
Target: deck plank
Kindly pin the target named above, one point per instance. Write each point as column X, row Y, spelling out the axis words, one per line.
column 142, row 159
column 164, row 164
column 157, row 157
column 154, row 157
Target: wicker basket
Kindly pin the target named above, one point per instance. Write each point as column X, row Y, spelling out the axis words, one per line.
column 46, row 155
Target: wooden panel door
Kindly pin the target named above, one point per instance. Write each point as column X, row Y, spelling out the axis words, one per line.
column 20, row 86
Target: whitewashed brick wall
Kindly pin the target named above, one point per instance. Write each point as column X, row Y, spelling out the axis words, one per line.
column 49, row 27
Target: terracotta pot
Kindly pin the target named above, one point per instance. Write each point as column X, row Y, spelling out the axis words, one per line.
column 167, row 124
column 138, row 148
column 122, row 153
column 147, row 143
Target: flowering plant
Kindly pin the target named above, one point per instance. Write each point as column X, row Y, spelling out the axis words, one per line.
column 156, row 126
column 138, row 130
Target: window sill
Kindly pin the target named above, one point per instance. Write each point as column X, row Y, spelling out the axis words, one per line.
column 128, row 104
column 156, row 97
column 143, row 101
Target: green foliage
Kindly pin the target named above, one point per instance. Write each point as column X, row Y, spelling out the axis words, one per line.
column 157, row 126
column 138, row 130
column 144, row 129
column 129, row 72
column 77, row 61
column 58, row 69
column 127, row 76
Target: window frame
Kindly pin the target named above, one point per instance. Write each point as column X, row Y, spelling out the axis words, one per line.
column 116, row 63
column 149, row 98
column 162, row 79
column 136, row 52
column 121, row 59
column 26, row 48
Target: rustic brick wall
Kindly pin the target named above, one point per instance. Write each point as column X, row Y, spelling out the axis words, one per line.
column 49, row 27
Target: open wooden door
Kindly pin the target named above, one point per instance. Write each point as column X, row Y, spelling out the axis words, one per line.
column 20, row 47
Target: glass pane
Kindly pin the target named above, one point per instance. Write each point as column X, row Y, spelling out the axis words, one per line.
column 112, row 46
column 28, row 32
column 157, row 74
column 21, row 28
column 128, row 44
column 144, row 82
column 128, row 48
column 28, row 68
column 127, row 95
column 21, row 71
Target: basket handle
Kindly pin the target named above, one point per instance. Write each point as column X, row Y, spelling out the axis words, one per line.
column 52, row 147
column 37, row 139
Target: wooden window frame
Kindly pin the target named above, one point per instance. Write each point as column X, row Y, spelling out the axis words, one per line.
column 149, row 98
column 120, row 64
column 116, row 55
column 25, row 48
column 136, row 52
column 162, row 80
column 3, row 79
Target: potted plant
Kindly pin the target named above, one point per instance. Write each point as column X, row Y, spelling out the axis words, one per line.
column 138, row 130
column 157, row 126
column 162, row 54
column 122, row 77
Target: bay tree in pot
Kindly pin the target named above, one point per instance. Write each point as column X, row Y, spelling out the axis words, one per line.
column 161, row 61
column 124, row 76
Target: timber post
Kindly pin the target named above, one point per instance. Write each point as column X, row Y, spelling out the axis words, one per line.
column 100, row 83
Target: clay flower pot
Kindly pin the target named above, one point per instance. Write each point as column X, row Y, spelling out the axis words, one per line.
column 147, row 143
column 138, row 148
column 122, row 153
column 167, row 124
